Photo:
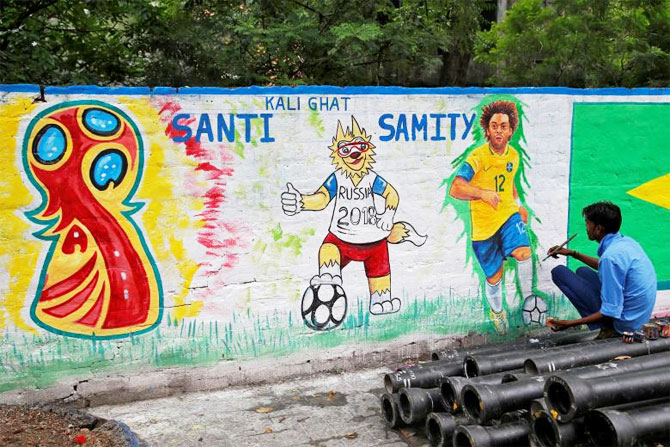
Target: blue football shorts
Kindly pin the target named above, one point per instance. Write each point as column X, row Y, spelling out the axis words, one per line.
column 492, row 252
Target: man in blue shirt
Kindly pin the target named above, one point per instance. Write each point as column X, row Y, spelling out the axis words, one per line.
column 617, row 291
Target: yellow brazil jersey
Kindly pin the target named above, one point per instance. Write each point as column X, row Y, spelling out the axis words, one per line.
column 496, row 173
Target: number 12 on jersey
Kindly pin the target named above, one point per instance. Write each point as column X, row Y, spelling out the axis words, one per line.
column 500, row 181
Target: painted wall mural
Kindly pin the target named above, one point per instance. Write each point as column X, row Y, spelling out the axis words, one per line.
column 98, row 280
column 499, row 220
column 191, row 227
column 360, row 230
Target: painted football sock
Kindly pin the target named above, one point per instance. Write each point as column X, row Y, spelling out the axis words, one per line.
column 494, row 296
column 524, row 271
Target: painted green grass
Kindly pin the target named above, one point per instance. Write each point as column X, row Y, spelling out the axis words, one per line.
column 39, row 360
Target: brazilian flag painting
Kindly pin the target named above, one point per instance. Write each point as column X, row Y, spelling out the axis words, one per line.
column 621, row 153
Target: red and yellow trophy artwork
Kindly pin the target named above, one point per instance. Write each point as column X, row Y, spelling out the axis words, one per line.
column 98, row 279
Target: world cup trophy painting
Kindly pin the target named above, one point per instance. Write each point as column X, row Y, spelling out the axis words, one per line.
column 98, row 279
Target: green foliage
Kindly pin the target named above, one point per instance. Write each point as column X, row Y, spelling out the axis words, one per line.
column 77, row 42
column 235, row 43
column 580, row 43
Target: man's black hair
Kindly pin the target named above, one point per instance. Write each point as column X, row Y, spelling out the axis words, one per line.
column 606, row 214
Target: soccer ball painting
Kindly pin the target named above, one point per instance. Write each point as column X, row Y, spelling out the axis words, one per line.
column 534, row 310
column 324, row 306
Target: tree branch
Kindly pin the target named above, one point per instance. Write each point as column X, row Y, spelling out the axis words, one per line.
column 309, row 8
column 35, row 7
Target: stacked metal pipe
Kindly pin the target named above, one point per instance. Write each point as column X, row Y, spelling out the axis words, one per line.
column 549, row 391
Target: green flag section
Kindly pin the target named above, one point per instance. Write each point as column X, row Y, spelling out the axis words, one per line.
column 621, row 153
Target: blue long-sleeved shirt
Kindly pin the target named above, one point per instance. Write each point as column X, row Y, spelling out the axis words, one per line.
column 628, row 282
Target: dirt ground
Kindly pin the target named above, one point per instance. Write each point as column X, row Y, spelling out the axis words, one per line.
column 56, row 427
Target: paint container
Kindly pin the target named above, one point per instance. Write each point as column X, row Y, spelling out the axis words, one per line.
column 627, row 337
column 665, row 330
column 650, row 331
column 638, row 337
column 660, row 324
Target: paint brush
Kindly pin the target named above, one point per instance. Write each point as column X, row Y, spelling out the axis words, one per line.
column 559, row 247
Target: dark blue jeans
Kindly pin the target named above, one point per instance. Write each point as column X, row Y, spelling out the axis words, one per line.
column 582, row 288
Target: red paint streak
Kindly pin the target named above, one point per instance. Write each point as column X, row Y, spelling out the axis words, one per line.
column 215, row 172
column 215, row 197
column 75, row 302
column 193, row 148
column 219, row 237
column 93, row 315
column 229, row 227
column 170, row 107
column 71, row 283
column 208, row 167
column 215, row 243
column 230, row 260
column 215, row 194
column 209, row 243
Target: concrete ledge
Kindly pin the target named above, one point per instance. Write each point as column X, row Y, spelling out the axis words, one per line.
column 95, row 390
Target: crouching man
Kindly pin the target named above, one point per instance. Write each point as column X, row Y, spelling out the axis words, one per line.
column 617, row 291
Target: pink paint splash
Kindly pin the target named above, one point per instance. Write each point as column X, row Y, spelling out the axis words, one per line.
column 221, row 238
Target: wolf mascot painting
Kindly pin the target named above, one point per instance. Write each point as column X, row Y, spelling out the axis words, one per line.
column 359, row 230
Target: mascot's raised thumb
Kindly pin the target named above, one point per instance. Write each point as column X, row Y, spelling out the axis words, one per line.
column 291, row 189
column 291, row 200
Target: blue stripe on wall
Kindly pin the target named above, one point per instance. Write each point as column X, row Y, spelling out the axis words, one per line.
column 19, row 88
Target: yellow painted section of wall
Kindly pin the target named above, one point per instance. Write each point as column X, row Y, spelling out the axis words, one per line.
column 188, row 269
column 656, row 191
column 167, row 216
column 18, row 252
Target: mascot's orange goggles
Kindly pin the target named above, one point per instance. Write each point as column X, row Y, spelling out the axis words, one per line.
column 345, row 150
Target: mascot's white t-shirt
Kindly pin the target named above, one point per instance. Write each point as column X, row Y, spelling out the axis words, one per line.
column 354, row 216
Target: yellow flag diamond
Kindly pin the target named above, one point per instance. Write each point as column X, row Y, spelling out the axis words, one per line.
column 655, row 191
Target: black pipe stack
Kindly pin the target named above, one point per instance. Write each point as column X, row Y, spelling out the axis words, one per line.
column 571, row 388
column 440, row 427
column 484, row 401
column 570, row 396
column 417, row 403
column 391, row 410
column 451, row 387
column 602, row 430
column 612, row 427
